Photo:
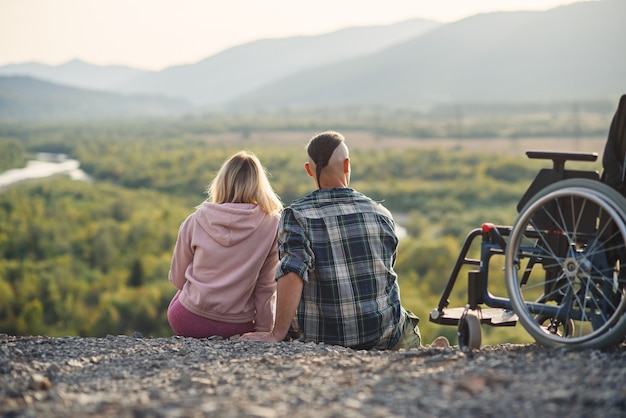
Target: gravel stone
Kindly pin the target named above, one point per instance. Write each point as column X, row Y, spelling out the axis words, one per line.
column 139, row 377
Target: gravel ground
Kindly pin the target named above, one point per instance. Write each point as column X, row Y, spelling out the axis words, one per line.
column 133, row 376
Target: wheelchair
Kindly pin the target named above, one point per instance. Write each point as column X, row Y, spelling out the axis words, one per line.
column 561, row 261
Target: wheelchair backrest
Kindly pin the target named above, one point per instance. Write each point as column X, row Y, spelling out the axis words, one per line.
column 546, row 176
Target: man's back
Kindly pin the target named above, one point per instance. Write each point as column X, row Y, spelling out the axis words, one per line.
column 343, row 245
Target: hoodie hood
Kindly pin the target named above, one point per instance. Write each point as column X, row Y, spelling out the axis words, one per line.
column 229, row 223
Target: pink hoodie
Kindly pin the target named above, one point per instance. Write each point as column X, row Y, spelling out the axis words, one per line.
column 224, row 263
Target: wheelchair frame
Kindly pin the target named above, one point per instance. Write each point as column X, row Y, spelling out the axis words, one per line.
column 570, row 226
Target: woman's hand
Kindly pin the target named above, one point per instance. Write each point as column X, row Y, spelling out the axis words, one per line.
column 260, row 336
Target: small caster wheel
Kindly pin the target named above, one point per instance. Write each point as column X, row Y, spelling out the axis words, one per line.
column 469, row 333
column 556, row 326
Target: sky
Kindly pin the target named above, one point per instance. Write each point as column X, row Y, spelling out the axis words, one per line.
column 156, row 34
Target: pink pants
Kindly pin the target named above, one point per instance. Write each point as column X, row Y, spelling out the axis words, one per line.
column 188, row 324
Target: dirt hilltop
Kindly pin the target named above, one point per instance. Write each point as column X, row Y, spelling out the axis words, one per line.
column 133, row 376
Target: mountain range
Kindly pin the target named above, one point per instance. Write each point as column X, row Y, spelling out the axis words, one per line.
column 24, row 98
column 568, row 53
column 572, row 52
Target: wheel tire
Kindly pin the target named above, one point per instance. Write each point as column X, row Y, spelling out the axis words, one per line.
column 469, row 332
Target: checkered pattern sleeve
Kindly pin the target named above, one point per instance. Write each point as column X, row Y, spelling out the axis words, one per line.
column 294, row 249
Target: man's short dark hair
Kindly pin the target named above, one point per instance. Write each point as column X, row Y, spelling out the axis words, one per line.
column 321, row 148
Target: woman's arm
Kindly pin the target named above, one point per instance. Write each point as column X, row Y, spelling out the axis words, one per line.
column 182, row 256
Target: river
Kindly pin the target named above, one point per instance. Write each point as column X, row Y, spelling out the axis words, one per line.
column 45, row 165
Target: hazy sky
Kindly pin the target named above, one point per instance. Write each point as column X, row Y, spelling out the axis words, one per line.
column 155, row 34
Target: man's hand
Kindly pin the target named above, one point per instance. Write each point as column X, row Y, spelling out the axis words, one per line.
column 260, row 336
column 288, row 293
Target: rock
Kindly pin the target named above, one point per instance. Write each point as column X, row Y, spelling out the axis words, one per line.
column 39, row 382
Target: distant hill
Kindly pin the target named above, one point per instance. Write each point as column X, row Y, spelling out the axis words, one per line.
column 244, row 68
column 25, row 98
column 572, row 52
column 235, row 71
column 75, row 73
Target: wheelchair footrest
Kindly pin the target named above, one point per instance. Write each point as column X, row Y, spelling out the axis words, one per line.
column 490, row 316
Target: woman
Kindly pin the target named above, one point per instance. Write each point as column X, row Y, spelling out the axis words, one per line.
column 226, row 255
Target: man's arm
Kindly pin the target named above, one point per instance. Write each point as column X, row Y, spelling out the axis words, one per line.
column 288, row 294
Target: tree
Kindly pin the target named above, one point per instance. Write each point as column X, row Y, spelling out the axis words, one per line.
column 11, row 154
column 136, row 274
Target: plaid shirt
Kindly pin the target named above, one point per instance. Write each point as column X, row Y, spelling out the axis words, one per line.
column 343, row 245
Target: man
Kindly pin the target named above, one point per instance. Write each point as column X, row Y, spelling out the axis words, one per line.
column 614, row 157
column 337, row 251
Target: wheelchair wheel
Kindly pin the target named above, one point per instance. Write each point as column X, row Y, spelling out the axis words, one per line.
column 469, row 333
column 574, row 232
column 555, row 326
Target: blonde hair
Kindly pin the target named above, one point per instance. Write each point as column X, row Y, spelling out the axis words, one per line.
column 242, row 179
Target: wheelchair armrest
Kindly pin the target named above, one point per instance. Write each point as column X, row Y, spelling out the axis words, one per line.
column 558, row 158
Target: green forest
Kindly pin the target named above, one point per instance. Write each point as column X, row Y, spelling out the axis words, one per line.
column 91, row 258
